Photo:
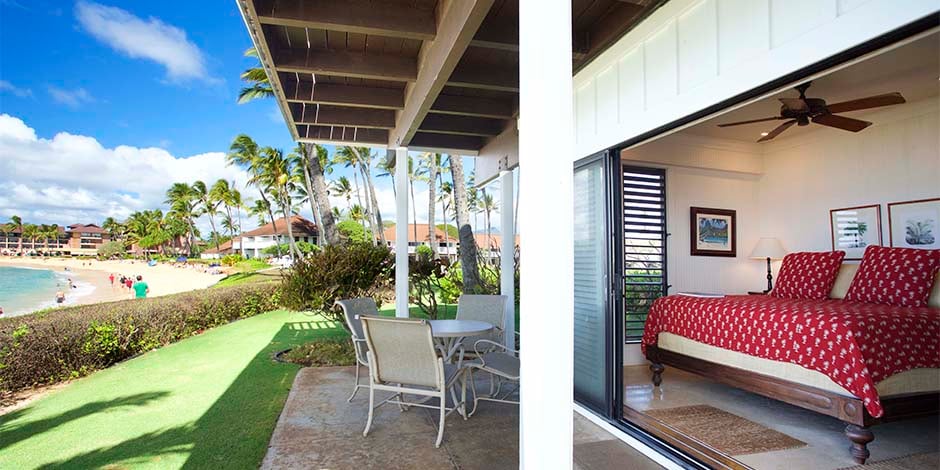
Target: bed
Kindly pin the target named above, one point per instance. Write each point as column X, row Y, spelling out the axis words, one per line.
column 861, row 363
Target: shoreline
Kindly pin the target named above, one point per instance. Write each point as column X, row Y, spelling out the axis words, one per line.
column 91, row 277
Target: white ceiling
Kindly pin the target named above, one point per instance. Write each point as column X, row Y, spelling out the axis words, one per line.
column 912, row 70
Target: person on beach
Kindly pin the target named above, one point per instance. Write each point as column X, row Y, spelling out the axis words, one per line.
column 141, row 289
column 60, row 297
column 111, row 278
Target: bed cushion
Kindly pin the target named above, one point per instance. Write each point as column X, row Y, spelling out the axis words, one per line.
column 895, row 276
column 808, row 275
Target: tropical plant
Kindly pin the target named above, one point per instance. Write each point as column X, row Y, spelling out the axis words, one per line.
column 182, row 201
column 488, row 205
column 318, row 167
column 352, row 232
column 342, row 188
column 431, row 162
column 245, row 153
column 207, row 205
column 316, row 282
column 17, row 224
column 257, row 79
column 468, row 247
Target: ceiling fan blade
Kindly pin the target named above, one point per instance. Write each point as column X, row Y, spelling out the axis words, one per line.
column 777, row 131
column 886, row 99
column 775, row 118
column 841, row 122
column 795, row 104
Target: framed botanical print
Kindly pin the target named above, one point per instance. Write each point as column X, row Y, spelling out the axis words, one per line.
column 854, row 229
column 915, row 224
column 714, row 232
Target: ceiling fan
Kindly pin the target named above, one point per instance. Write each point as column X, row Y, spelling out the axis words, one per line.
column 801, row 111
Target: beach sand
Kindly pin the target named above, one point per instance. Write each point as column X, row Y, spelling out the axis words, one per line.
column 163, row 279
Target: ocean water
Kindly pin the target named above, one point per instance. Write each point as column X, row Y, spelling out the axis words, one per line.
column 23, row 290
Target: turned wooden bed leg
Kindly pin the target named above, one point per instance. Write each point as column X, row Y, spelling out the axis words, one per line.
column 860, row 437
column 657, row 370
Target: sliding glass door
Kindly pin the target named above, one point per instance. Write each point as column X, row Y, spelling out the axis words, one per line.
column 597, row 299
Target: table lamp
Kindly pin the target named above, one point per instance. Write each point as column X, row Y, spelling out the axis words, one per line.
column 768, row 248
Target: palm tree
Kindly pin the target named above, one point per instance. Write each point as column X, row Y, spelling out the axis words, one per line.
column 360, row 159
column 431, row 161
column 446, row 199
column 488, row 205
column 318, row 168
column 112, row 226
column 207, row 205
column 299, row 162
column 245, row 152
column 17, row 223
column 182, row 200
column 342, row 188
column 357, row 213
column 31, row 232
column 468, row 249
column 414, row 174
column 48, row 232
column 388, row 171
column 259, row 86
column 278, row 177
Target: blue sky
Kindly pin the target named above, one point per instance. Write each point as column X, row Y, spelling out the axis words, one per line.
column 104, row 105
column 82, row 83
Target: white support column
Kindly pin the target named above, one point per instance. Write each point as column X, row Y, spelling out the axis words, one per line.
column 401, row 232
column 507, row 254
column 546, row 145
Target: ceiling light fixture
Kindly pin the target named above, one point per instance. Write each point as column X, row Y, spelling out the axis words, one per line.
column 764, row 134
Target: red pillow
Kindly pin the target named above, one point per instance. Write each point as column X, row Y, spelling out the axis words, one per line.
column 901, row 277
column 808, row 275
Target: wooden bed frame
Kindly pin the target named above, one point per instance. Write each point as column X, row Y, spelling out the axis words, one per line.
column 849, row 409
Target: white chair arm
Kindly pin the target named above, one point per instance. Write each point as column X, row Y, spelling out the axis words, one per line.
column 498, row 345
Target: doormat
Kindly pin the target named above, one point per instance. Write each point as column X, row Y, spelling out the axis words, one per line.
column 723, row 431
column 928, row 461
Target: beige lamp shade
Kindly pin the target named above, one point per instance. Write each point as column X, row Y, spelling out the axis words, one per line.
column 768, row 248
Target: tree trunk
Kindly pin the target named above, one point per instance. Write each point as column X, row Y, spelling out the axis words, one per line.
column 432, row 192
column 285, row 209
column 468, row 246
column 370, row 211
column 215, row 233
column 267, row 204
column 312, row 198
column 414, row 212
column 375, row 205
column 330, row 234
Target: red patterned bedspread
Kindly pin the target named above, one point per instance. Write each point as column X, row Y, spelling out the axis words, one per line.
column 855, row 344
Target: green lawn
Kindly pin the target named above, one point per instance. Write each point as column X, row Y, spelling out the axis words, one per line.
column 210, row 401
column 248, row 278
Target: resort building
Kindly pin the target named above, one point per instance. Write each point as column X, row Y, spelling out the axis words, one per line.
column 229, row 247
column 252, row 244
column 72, row 240
column 446, row 244
column 664, row 149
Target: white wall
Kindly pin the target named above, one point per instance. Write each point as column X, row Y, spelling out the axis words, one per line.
column 690, row 54
column 896, row 159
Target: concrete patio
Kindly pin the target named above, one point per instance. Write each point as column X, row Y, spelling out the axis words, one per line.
column 319, row 429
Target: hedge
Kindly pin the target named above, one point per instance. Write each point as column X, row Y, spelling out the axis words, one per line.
column 57, row 345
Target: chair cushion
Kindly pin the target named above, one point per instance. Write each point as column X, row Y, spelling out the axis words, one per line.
column 895, row 276
column 502, row 364
column 808, row 275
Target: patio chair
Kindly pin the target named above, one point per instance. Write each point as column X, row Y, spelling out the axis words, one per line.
column 488, row 308
column 501, row 363
column 403, row 360
column 353, row 310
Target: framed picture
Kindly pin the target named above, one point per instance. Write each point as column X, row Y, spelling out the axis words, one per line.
column 854, row 229
column 915, row 224
column 714, row 232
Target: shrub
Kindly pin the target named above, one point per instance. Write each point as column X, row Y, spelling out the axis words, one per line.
column 351, row 231
column 424, row 250
column 231, row 260
column 112, row 248
column 52, row 346
column 338, row 272
column 304, row 247
column 323, row 352
column 424, row 281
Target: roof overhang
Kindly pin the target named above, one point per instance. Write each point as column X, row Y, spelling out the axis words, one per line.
column 434, row 75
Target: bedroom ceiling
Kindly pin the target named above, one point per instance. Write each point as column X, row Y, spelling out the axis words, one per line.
column 912, row 70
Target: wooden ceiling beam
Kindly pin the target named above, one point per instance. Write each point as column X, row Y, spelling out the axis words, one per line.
column 328, row 115
column 347, row 64
column 446, row 142
column 485, row 77
column 344, row 95
column 352, row 16
column 459, row 21
column 461, row 125
column 341, row 135
column 472, row 106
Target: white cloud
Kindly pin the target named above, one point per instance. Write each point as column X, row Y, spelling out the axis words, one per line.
column 15, row 90
column 74, row 179
column 71, row 98
column 149, row 39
